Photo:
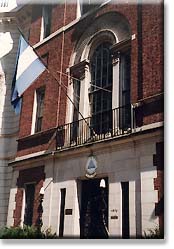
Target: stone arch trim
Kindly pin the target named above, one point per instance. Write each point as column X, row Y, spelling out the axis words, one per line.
column 111, row 24
column 97, row 39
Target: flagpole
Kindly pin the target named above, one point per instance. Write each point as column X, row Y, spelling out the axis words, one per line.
column 60, row 85
column 61, row 65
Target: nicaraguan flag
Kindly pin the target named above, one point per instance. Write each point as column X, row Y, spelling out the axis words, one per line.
column 28, row 68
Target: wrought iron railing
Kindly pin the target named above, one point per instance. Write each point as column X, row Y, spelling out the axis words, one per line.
column 102, row 126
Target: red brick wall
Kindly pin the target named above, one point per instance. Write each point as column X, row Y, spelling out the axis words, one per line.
column 62, row 14
column 153, row 37
column 27, row 176
column 37, row 142
column 18, row 209
column 35, row 24
column 57, row 17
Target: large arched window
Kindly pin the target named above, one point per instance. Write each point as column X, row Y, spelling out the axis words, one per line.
column 100, row 94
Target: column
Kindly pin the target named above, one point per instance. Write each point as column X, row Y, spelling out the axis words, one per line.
column 81, row 71
column 115, row 91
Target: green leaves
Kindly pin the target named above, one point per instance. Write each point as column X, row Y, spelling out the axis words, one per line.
column 26, row 232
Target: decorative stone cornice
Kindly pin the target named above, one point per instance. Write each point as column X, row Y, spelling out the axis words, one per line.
column 78, row 70
column 115, row 59
column 6, row 20
column 120, row 47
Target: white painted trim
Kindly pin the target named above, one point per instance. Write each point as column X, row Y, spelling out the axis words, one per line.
column 34, row 114
column 78, row 13
column 116, row 83
column 148, row 127
column 69, row 114
column 95, row 40
column 40, row 153
column 84, row 94
column 132, row 209
column 23, row 208
column 42, row 27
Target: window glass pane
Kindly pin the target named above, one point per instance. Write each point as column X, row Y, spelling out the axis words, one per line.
column 47, row 11
column 40, row 107
column 126, row 64
column 100, row 98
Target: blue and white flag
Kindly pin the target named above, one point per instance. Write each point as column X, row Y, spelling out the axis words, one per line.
column 28, row 69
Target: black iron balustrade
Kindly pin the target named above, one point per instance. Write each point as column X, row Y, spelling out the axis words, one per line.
column 102, row 126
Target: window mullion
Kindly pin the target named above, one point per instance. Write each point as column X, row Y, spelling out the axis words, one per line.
column 101, row 71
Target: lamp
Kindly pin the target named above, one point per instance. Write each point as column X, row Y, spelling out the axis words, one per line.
column 102, row 183
column 42, row 191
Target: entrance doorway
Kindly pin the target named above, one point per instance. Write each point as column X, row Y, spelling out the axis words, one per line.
column 94, row 209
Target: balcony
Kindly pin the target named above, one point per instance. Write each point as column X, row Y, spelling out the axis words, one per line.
column 137, row 118
column 103, row 126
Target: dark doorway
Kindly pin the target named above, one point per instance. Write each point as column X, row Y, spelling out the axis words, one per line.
column 125, row 210
column 62, row 212
column 94, row 210
column 29, row 204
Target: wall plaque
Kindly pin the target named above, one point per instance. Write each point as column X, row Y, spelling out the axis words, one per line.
column 68, row 211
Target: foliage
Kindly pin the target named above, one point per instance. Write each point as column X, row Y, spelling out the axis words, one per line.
column 26, row 232
column 155, row 233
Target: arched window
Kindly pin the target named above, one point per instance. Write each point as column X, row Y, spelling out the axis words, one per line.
column 100, row 93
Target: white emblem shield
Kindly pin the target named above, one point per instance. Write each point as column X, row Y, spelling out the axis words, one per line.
column 91, row 167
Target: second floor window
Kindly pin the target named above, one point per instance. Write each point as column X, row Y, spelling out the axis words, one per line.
column 40, row 95
column 46, row 21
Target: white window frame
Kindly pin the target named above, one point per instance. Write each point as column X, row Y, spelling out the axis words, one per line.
column 23, row 208
column 42, row 32
column 34, row 114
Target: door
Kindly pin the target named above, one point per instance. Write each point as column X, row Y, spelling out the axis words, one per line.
column 94, row 210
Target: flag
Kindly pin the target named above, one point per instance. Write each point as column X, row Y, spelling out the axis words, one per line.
column 28, row 68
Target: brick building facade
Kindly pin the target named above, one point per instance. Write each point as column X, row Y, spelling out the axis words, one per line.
column 91, row 126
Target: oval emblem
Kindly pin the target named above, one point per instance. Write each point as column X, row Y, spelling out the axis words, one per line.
column 91, row 167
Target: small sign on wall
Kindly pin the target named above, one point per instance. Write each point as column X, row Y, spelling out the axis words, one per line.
column 114, row 217
column 68, row 211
